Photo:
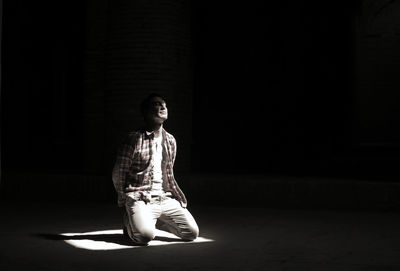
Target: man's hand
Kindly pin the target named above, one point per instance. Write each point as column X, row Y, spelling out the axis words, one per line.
column 146, row 197
column 138, row 193
column 131, row 188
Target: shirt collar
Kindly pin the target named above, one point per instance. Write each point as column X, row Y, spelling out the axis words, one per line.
column 151, row 134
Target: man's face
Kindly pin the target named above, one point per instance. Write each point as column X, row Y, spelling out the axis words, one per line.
column 158, row 110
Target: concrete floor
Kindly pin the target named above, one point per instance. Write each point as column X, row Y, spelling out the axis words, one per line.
column 244, row 239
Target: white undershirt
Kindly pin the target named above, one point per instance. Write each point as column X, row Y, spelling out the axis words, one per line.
column 157, row 166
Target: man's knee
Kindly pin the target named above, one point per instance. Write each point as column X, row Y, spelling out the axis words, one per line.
column 143, row 237
column 191, row 234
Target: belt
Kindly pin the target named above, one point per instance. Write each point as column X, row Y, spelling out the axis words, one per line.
column 161, row 196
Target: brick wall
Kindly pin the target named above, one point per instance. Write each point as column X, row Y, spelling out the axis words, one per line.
column 134, row 48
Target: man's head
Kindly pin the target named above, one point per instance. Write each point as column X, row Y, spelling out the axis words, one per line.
column 154, row 109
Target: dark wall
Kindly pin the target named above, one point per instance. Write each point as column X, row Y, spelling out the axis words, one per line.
column 294, row 87
column 135, row 48
column 43, row 49
column 273, row 78
column 75, row 73
column 299, row 87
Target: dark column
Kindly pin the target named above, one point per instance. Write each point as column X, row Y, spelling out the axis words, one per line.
column 1, row 28
column 377, row 72
column 376, row 133
column 94, row 116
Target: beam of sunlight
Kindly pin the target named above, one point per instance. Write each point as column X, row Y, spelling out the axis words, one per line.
column 114, row 239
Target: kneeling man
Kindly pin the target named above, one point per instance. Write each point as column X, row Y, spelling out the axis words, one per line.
column 144, row 180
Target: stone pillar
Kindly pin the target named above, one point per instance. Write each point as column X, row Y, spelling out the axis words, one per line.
column 377, row 73
column 1, row 31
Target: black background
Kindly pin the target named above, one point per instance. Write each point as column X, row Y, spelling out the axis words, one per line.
column 273, row 90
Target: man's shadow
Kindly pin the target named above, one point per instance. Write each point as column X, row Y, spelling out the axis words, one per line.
column 116, row 238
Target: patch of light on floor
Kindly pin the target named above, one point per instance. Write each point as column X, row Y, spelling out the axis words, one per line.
column 91, row 244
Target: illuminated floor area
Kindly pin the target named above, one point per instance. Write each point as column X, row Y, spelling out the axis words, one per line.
column 88, row 237
column 114, row 239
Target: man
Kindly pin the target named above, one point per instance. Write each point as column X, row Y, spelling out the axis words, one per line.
column 144, row 180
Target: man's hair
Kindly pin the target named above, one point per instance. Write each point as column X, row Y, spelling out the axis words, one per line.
column 145, row 104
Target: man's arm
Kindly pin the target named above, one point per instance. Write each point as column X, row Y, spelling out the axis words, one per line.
column 121, row 168
column 173, row 149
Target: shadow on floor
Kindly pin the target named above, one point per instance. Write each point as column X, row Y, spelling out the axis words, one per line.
column 116, row 238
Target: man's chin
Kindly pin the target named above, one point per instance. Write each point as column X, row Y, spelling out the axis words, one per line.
column 161, row 119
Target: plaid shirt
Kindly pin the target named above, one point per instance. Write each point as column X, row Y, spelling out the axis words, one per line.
column 133, row 167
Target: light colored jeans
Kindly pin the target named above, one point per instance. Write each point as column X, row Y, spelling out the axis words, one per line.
column 165, row 213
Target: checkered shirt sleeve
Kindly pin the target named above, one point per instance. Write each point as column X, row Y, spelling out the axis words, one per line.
column 122, row 166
